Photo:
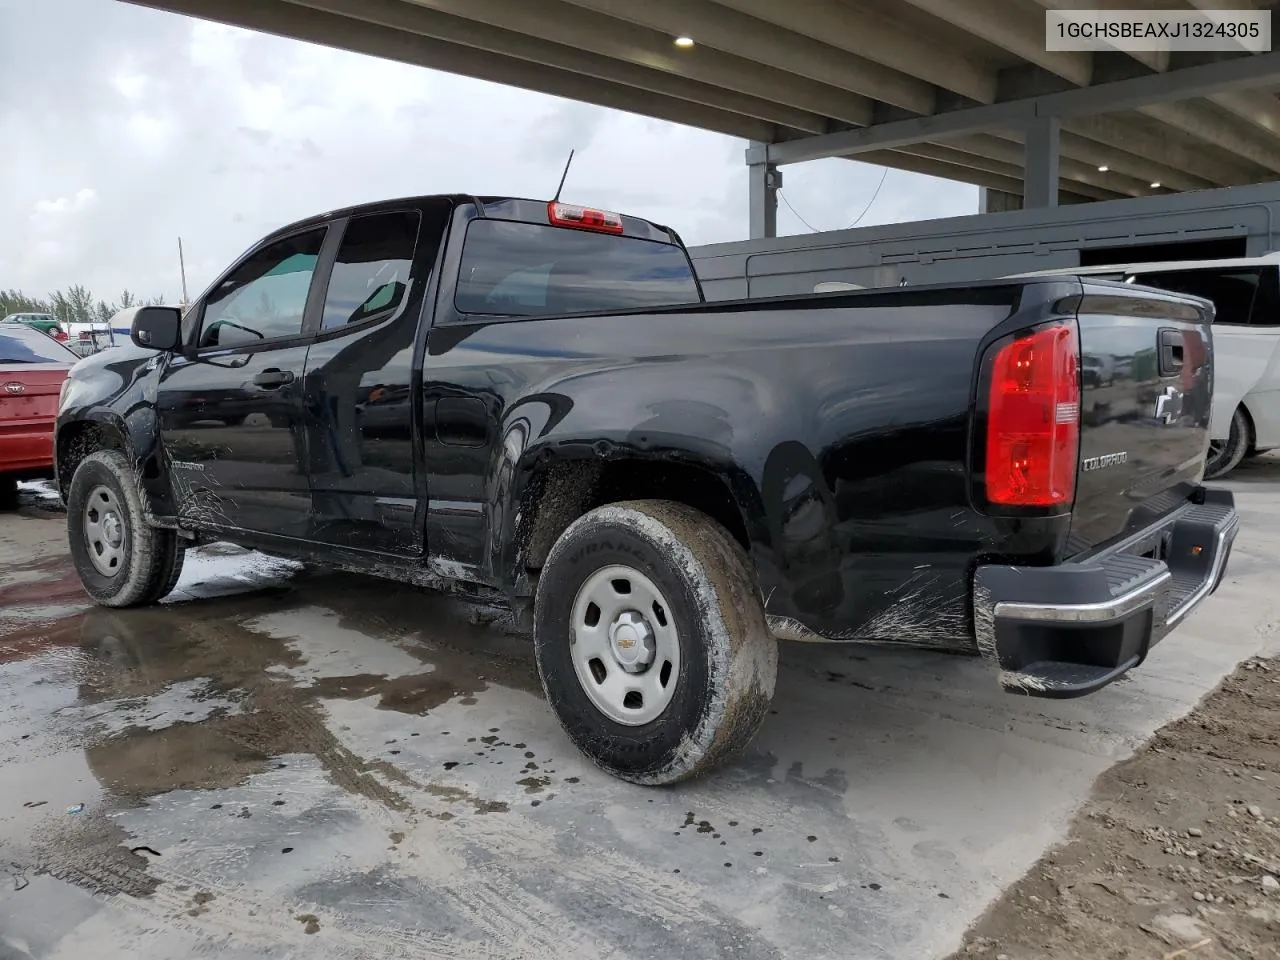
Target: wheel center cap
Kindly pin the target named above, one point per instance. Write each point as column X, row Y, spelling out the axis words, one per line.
column 112, row 529
column 631, row 641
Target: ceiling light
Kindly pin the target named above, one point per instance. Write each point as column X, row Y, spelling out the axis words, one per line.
column 685, row 42
column 1103, row 169
column 1155, row 185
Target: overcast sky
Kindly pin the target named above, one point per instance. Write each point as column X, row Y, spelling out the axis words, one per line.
column 123, row 128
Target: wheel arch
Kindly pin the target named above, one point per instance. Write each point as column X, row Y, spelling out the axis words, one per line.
column 559, row 490
column 77, row 439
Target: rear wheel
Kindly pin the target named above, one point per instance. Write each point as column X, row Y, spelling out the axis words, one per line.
column 1225, row 455
column 652, row 642
column 122, row 561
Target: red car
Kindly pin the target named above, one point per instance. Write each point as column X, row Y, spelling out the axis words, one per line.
column 32, row 369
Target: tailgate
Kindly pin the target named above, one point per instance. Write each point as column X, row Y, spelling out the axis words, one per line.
column 1146, row 377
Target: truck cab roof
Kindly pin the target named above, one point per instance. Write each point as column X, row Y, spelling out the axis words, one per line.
column 522, row 210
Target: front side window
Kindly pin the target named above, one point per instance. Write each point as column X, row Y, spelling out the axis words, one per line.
column 370, row 279
column 265, row 298
column 526, row 269
column 1232, row 291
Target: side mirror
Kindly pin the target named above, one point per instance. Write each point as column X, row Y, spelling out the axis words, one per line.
column 156, row 328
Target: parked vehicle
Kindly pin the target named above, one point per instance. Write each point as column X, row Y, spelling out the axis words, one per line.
column 32, row 369
column 527, row 403
column 1246, row 385
column 46, row 323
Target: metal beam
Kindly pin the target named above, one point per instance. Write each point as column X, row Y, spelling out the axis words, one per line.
column 1157, row 60
column 1221, row 6
column 1119, row 162
column 1254, row 106
column 1013, row 151
column 717, row 27
column 765, row 180
column 1103, row 98
column 1015, row 27
column 416, row 19
column 1040, row 169
column 947, row 153
column 954, row 171
column 1142, row 137
column 316, row 26
column 1223, row 131
column 865, row 33
column 568, row 25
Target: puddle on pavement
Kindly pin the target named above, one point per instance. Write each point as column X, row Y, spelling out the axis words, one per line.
column 200, row 696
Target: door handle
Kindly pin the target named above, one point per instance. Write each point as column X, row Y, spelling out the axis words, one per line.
column 273, row 378
column 1171, row 352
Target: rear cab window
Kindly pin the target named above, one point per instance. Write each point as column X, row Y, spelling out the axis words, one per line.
column 527, row 270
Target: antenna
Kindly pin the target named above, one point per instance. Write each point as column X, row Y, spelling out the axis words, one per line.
column 182, row 268
column 563, row 177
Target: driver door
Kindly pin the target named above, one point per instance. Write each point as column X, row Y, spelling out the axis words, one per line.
column 231, row 416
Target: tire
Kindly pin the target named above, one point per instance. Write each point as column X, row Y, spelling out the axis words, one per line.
column 8, row 493
column 1225, row 457
column 707, row 634
column 137, row 564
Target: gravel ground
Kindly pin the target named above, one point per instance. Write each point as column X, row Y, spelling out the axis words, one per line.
column 1175, row 854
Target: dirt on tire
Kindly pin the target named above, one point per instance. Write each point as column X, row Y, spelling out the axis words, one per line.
column 1175, row 856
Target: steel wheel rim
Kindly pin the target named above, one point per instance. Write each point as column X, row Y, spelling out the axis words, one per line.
column 624, row 645
column 105, row 530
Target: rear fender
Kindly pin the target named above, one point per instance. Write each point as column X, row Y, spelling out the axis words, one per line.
column 556, row 444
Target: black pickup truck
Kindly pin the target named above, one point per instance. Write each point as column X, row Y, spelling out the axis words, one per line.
column 529, row 403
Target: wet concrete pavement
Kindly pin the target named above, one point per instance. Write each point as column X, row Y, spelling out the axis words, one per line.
column 283, row 762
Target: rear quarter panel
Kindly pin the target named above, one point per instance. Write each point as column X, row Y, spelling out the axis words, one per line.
column 840, row 424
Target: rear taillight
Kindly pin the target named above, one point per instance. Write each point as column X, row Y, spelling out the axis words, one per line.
column 60, row 335
column 1033, row 423
column 583, row 218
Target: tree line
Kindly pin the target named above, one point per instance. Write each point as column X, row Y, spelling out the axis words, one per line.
column 76, row 304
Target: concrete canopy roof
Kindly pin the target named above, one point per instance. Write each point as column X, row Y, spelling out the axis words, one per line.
column 942, row 87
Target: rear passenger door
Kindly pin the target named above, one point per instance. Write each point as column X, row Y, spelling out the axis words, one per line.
column 359, row 390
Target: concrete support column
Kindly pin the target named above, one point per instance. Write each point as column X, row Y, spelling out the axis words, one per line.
column 1040, row 173
column 765, row 179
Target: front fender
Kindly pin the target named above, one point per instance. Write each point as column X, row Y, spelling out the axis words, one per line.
column 109, row 402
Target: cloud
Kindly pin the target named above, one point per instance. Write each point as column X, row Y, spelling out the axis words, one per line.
column 130, row 86
column 193, row 129
column 82, row 199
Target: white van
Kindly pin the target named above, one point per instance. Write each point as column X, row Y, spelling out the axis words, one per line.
column 1246, row 341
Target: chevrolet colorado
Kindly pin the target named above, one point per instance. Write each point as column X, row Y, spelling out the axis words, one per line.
column 530, row 403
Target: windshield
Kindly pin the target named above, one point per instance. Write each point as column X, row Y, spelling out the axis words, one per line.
column 19, row 344
column 525, row 269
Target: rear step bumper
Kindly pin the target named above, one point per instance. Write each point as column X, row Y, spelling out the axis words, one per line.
column 1069, row 630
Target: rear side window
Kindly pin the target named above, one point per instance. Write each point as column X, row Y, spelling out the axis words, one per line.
column 21, row 344
column 1233, row 291
column 370, row 279
column 525, row 269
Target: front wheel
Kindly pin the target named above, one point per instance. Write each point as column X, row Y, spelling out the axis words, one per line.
column 122, row 561
column 1225, row 455
column 651, row 641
